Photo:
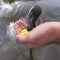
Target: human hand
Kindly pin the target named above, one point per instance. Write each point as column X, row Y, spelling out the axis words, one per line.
column 19, row 26
column 43, row 34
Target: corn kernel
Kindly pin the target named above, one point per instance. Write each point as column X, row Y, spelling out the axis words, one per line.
column 24, row 32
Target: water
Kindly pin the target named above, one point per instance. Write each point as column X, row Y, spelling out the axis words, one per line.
column 11, row 30
column 10, row 48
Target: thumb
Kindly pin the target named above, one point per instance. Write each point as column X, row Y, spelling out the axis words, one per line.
column 22, row 38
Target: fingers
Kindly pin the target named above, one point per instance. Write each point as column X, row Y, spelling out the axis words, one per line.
column 23, row 39
column 23, row 23
column 19, row 25
column 26, row 41
column 17, row 28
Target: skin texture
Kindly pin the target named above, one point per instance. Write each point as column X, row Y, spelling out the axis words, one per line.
column 42, row 35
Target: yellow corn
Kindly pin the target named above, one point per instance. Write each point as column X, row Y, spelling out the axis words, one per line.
column 24, row 32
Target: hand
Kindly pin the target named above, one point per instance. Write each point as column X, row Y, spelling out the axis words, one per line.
column 19, row 26
column 43, row 34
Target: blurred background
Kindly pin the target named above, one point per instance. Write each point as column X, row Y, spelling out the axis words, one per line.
column 10, row 1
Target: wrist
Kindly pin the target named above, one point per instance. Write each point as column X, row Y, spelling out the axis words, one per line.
column 57, row 32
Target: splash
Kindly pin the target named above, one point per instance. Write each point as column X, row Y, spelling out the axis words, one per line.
column 12, row 34
column 11, row 30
